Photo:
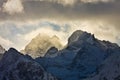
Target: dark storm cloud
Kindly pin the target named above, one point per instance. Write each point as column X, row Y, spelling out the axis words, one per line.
column 100, row 10
column 36, row 9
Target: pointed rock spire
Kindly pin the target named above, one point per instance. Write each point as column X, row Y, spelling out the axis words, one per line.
column 80, row 36
column 51, row 52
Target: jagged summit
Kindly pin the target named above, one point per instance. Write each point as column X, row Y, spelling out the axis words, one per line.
column 40, row 44
column 84, row 58
column 80, row 58
column 15, row 66
column 12, row 52
column 51, row 52
column 12, row 55
column 80, row 36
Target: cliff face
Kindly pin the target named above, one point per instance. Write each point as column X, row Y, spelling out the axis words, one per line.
column 84, row 58
column 81, row 58
column 40, row 44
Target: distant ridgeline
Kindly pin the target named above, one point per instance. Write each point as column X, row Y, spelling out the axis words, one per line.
column 84, row 58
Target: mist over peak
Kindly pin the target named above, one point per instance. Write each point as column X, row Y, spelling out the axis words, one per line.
column 83, row 58
column 59, row 39
column 41, row 43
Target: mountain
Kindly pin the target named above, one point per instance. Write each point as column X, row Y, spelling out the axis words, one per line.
column 81, row 58
column 109, row 69
column 40, row 44
column 84, row 58
column 51, row 52
column 16, row 66
column 2, row 51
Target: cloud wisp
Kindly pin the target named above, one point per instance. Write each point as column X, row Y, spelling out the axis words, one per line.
column 26, row 18
column 22, row 33
column 13, row 6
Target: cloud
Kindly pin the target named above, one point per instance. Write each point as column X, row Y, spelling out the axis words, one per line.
column 101, row 30
column 73, row 2
column 13, row 6
column 63, row 2
column 48, row 30
column 60, row 17
column 22, row 33
column 5, row 42
column 96, row 1
column 60, row 9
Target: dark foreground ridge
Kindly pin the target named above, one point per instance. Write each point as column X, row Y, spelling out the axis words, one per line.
column 84, row 58
column 16, row 66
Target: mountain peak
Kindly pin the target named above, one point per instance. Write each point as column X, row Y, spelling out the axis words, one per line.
column 51, row 52
column 40, row 44
column 12, row 50
column 80, row 36
column 15, row 66
column 12, row 54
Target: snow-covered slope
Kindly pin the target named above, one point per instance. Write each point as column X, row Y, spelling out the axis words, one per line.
column 16, row 66
column 40, row 44
column 81, row 36
column 109, row 69
column 82, row 56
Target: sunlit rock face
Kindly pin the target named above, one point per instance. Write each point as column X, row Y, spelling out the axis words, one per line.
column 2, row 51
column 80, row 36
column 40, row 44
column 81, row 58
column 16, row 66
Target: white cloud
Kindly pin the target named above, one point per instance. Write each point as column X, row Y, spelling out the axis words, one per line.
column 101, row 30
column 20, row 35
column 48, row 31
column 13, row 6
column 5, row 42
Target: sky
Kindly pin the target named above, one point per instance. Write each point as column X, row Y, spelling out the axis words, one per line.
column 22, row 20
